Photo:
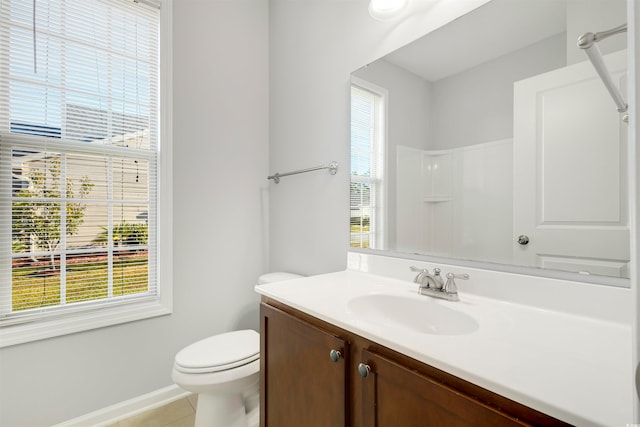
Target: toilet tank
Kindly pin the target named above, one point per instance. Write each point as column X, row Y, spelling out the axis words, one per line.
column 277, row 276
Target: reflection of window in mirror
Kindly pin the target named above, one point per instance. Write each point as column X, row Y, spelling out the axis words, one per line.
column 367, row 164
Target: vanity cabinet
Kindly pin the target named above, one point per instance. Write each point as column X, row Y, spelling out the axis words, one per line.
column 395, row 395
column 316, row 374
column 301, row 385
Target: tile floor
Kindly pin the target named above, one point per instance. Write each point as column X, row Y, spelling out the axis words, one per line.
column 180, row 413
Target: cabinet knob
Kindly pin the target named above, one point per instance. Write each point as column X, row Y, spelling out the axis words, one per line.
column 335, row 355
column 364, row 370
column 523, row 239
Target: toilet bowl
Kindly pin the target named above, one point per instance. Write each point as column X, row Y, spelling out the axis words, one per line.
column 224, row 370
column 221, row 369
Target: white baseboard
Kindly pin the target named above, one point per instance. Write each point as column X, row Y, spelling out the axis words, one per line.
column 114, row 413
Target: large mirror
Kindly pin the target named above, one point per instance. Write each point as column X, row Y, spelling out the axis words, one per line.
column 492, row 139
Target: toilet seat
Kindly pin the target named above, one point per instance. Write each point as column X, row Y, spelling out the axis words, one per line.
column 219, row 352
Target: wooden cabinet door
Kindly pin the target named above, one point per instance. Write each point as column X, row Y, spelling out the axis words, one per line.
column 394, row 395
column 301, row 384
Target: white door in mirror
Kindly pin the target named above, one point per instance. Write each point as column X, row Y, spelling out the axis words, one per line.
column 570, row 151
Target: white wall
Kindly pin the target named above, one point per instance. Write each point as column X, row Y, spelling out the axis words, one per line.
column 476, row 106
column 314, row 47
column 593, row 16
column 220, row 147
column 409, row 104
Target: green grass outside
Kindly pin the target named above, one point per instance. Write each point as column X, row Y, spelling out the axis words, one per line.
column 34, row 287
column 359, row 229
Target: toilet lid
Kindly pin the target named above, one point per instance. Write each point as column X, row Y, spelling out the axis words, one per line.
column 219, row 352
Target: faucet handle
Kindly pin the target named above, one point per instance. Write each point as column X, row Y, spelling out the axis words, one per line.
column 450, row 286
column 421, row 273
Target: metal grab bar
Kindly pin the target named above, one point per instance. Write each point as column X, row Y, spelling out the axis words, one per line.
column 333, row 169
column 587, row 42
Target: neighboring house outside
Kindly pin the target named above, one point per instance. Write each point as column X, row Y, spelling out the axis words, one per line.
column 129, row 177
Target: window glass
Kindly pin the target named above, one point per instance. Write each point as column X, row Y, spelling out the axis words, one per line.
column 79, row 156
column 367, row 148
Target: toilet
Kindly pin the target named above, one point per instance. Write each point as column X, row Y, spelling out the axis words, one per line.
column 224, row 370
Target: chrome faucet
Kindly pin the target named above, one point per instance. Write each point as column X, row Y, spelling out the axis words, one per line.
column 433, row 285
column 423, row 279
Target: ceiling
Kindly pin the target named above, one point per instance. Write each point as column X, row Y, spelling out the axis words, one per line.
column 494, row 29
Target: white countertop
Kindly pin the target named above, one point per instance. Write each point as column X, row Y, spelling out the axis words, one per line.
column 573, row 367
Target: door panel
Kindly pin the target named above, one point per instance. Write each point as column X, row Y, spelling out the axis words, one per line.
column 570, row 156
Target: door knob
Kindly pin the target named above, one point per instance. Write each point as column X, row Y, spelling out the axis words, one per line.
column 523, row 239
column 335, row 355
column 364, row 370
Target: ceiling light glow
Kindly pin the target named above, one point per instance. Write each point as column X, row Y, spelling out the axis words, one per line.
column 386, row 9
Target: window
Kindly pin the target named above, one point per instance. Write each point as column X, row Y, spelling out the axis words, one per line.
column 367, row 160
column 82, row 174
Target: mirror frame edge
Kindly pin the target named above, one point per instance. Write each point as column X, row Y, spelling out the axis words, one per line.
column 617, row 282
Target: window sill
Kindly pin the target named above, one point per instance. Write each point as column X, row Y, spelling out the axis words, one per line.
column 72, row 323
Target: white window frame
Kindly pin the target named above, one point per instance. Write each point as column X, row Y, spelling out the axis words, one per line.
column 102, row 316
column 379, row 218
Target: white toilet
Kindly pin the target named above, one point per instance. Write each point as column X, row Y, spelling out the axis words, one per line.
column 224, row 370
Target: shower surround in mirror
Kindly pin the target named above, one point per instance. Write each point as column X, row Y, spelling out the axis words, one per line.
column 519, row 139
column 466, row 214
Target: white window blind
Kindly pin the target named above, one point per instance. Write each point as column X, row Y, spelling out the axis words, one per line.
column 367, row 148
column 79, row 152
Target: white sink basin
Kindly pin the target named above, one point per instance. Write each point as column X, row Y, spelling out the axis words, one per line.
column 420, row 314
